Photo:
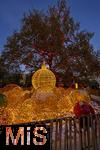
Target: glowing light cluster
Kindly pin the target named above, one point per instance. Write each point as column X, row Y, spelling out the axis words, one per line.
column 27, row 105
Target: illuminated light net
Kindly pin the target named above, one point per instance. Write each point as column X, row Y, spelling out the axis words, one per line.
column 27, row 110
column 42, row 101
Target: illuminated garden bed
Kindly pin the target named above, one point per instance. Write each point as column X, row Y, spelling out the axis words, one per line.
column 43, row 101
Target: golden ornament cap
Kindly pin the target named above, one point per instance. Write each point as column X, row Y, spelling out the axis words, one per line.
column 43, row 65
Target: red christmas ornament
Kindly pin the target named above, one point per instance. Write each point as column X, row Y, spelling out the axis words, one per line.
column 83, row 108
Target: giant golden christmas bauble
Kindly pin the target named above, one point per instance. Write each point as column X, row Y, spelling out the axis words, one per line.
column 44, row 78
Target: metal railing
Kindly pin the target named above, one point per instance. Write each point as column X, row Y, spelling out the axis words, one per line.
column 76, row 133
column 71, row 133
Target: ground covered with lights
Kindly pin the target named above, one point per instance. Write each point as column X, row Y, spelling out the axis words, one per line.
column 42, row 101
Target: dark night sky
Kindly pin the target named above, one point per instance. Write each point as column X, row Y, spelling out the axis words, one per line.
column 87, row 12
